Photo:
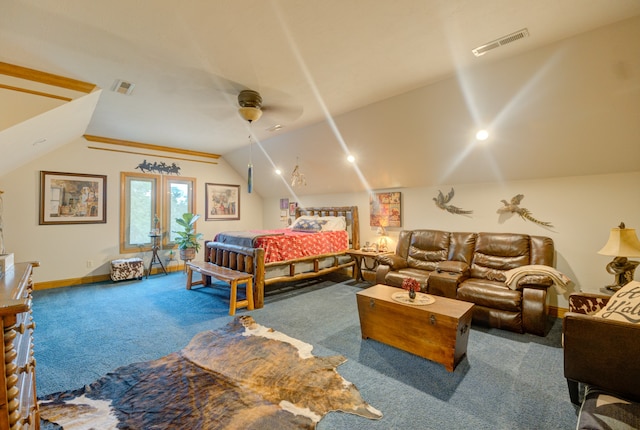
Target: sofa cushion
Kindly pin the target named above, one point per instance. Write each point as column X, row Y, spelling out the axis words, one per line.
column 491, row 294
column 395, row 278
column 624, row 305
column 497, row 252
column 452, row 267
column 427, row 248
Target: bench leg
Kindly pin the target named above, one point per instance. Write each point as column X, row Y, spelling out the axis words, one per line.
column 249, row 294
column 234, row 304
column 233, row 297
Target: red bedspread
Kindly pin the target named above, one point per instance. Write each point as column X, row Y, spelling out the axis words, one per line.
column 288, row 245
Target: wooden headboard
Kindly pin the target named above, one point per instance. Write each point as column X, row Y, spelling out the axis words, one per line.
column 350, row 213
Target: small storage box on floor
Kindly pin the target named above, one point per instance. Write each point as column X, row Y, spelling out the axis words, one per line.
column 127, row 268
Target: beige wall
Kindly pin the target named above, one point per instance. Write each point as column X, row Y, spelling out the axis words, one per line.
column 582, row 210
column 63, row 250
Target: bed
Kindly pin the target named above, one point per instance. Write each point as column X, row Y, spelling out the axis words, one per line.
column 292, row 254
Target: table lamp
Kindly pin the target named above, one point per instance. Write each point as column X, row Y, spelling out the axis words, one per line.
column 383, row 244
column 622, row 243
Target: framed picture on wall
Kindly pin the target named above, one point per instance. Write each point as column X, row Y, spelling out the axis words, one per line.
column 384, row 209
column 223, row 202
column 72, row 198
column 292, row 208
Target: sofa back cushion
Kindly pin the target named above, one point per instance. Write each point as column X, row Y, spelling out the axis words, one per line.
column 404, row 242
column 542, row 250
column 461, row 247
column 496, row 253
column 427, row 248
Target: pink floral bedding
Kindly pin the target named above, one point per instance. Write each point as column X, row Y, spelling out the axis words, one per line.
column 284, row 244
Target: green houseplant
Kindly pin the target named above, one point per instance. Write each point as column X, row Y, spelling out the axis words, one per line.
column 187, row 239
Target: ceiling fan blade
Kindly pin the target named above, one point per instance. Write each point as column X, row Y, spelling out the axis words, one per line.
column 282, row 114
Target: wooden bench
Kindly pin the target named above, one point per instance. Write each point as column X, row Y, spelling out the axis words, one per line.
column 232, row 277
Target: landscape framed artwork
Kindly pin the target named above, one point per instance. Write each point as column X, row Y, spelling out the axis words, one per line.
column 223, row 202
column 72, row 198
column 384, row 209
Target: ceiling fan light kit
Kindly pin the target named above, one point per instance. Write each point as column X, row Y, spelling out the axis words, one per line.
column 250, row 105
column 250, row 114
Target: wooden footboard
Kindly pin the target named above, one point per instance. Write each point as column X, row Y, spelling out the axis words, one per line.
column 251, row 260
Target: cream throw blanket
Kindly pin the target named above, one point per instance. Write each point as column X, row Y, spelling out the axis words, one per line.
column 560, row 280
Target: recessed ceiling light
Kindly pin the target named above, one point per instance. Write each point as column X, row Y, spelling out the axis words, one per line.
column 351, row 158
column 482, row 135
column 278, row 172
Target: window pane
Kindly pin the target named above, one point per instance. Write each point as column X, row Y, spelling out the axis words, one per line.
column 180, row 202
column 140, row 210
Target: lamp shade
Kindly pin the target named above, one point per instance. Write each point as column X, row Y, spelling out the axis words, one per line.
column 250, row 114
column 622, row 242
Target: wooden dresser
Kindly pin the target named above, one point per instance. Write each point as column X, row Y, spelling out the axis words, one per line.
column 18, row 398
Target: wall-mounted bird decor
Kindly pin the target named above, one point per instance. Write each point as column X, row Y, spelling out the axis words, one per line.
column 442, row 203
column 525, row 214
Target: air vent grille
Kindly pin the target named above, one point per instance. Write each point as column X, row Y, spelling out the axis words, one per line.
column 481, row 50
column 123, row 87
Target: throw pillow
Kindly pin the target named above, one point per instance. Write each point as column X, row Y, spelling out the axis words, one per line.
column 308, row 226
column 624, row 305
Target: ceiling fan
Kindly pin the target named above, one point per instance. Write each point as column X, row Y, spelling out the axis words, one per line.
column 280, row 111
column 250, row 105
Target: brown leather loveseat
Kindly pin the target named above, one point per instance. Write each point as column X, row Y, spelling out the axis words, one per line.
column 472, row 267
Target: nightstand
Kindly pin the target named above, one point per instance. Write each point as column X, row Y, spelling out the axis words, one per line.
column 366, row 263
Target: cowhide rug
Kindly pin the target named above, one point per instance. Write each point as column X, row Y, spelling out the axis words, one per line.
column 242, row 376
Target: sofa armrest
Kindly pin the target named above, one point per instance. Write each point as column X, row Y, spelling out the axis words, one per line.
column 453, row 267
column 587, row 303
column 381, row 273
column 603, row 353
column 445, row 284
column 535, row 281
column 394, row 261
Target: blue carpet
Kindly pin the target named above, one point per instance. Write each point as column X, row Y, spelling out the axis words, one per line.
column 507, row 381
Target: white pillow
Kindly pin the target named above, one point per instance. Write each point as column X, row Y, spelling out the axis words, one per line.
column 623, row 305
column 333, row 223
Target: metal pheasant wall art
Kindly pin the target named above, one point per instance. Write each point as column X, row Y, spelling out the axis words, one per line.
column 442, row 202
column 513, row 207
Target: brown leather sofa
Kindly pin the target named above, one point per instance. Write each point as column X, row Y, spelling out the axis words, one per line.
column 471, row 267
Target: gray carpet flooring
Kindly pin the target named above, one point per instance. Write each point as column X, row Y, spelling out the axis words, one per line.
column 507, row 381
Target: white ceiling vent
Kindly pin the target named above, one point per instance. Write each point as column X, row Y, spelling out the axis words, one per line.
column 123, row 87
column 481, row 50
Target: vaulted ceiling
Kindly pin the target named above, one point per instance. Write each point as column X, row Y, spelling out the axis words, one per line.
column 383, row 80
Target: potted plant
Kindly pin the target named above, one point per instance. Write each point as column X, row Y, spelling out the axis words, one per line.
column 188, row 238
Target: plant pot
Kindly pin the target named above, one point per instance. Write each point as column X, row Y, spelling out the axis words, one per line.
column 188, row 254
column 412, row 295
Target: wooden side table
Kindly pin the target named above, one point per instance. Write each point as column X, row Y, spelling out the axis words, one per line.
column 360, row 257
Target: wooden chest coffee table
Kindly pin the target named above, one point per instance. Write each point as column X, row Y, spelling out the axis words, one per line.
column 438, row 331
